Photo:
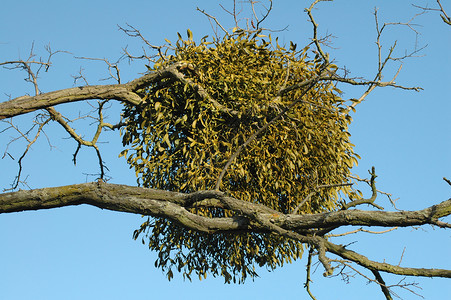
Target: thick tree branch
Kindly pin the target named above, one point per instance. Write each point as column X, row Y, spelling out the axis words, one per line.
column 153, row 202
column 118, row 198
column 428, row 215
column 26, row 104
column 121, row 92
column 384, row 267
column 250, row 217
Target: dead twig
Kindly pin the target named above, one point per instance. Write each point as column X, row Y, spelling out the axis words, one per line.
column 308, row 280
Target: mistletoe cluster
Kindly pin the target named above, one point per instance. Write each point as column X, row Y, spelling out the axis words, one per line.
column 192, row 123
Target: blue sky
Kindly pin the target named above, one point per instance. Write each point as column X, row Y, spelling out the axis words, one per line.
column 87, row 253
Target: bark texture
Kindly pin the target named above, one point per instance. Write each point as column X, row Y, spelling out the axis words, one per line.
column 122, row 92
column 250, row 217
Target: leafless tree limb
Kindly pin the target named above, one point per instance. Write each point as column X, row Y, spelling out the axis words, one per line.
column 315, row 38
column 443, row 15
column 370, row 200
column 264, row 16
column 386, row 289
column 382, row 285
column 308, row 280
column 306, row 199
column 362, row 230
column 122, row 92
column 377, row 81
column 113, row 68
column 133, row 32
column 251, row 217
column 214, row 19
column 233, row 13
column 368, row 181
column 17, row 179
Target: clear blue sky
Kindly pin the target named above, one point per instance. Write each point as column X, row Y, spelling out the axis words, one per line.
column 87, row 253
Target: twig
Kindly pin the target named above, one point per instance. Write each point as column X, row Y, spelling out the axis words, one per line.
column 374, row 83
column 315, row 191
column 362, row 230
column 116, row 77
column 268, row 10
column 214, row 19
column 370, row 200
column 308, row 280
column 377, row 81
column 445, row 17
column 382, row 285
column 80, row 141
column 387, row 287
column 402, row 255
column 133, row 32
column 388, row 195
column 30, row 143
column 315, row 39
column 233, row 13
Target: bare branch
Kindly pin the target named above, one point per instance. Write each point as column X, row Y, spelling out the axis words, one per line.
column 80, row 141
column 214, row 19
column 362, row 230
column 381, row 283
column 308, row 280
column 315, row 39
column 264, row 16
column 370, row 200
column 444, row 15
column 385, row 288
column 21, row 62
column 113, row 68
column 306, row 199
column 250, row 217
column 388, row 195
column 30, row 143
column 233, row 13
column 27, row 64
column 377, row 81
column 373, row 83
column 384, row 267
column 133, row 32
column 121, row 92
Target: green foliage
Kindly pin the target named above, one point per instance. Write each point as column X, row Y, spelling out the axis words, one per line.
column 180, row 140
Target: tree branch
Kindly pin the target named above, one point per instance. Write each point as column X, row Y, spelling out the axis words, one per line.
column 381, row 282
column 26, row 104
column 384, row 267
column 250, row 217
column 121, row 92
column 142, row 201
